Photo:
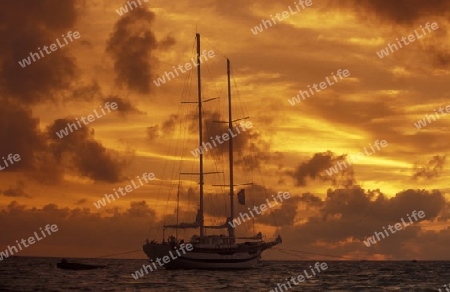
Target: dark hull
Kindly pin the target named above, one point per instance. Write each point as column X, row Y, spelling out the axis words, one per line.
column 241, row 256
column 77, row 266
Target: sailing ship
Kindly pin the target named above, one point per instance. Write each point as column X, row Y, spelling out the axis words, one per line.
column 211, row 251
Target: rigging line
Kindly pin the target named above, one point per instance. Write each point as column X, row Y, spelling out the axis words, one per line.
column 171, row 187
column 296, row 255
column 188, row 80
column 212, row 78
column 272, row 211
column 216, row 49
column 185, row 94
column 321, row 254
column 253, row 156
column 183, row 131
column 159, row 192
column 165, row 167
column 244, row 112
column 173, row 146
column 221, row 111
column 185, row 213
column 252, row 163
column 216, row 158
column 243, row 107
column 253, row 218
column 216, row 151
column 244, row 167
column 178, row 142
column 251, row 190
column 127, row 252
column 171, row 65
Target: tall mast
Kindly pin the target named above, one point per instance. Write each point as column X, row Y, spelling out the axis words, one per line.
column 230, row 150
column 200, row 127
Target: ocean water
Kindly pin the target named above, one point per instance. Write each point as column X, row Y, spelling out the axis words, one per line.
column 41, row 274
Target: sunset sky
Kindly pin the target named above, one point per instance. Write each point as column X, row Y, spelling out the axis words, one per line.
column 288, row 149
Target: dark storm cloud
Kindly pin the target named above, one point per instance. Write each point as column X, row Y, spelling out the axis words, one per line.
column 354, row 213
column 124, row 106
column 45, row 157
column 17, row 191
column 81, row 202
column 217, row 204
column 316, row 166
column 98, row 163
column 140, row 209
column 355, row 204
column 132, row 46
column 94, row 231
column 169, row 125
column 167, row 43
column 87, row 92
column 93, row 92
column 429, row 170
column 257, row 195
column 311, row 200
column 350, row 206
column 89, row 157
column 445, row 215
column 282, row 216
column 253, row 150
column 440, row 52
column 153, row 132
column 19, row 131
column 68, row 143
column 25, row 26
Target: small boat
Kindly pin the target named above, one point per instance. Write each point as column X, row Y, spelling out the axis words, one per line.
column 65, row 265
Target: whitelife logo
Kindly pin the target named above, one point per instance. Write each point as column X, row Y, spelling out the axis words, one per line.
column 166, row 259
column 360, row 156
column 122, row 10
column 31, row 240
column 284, row 15
column 262, row 207
column 65, row 132
column 398, row 227
column 385, row 52
column 53, row 47
column 128, row 189
column 225, row 137
column 423, row 123
column 188, row 66
column 10, row 158
column 283, row 287
column 323, row 85
column 446, row 288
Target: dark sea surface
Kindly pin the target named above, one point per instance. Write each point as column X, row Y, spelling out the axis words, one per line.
column 41, row 274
